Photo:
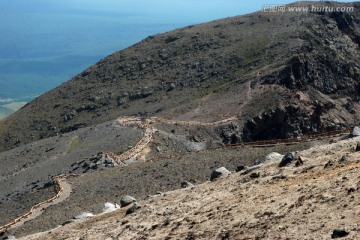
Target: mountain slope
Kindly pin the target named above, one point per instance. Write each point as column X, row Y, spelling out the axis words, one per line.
column 315, row 200
column 282, row 75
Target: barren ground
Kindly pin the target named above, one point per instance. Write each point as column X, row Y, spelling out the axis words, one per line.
column 305, row 202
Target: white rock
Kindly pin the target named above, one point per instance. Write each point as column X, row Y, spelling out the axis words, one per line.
column 219, row 173
column 273, row 157
column 355, row 132
column 110, row 207
column 84, row 215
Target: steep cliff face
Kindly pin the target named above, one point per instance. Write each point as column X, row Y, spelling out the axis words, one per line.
column 281, row 74
column 323, row 79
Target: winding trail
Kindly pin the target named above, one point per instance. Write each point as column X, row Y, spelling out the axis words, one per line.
column 147, row 125
column 63, row 188
column 63, row 191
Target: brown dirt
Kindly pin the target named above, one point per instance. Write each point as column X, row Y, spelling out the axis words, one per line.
column 305, row 202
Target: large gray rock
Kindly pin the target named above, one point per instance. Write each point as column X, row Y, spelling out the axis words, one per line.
column 219, row 173
column 126, row 201
column 287, row 159
column 133, row 208
column 355, row 132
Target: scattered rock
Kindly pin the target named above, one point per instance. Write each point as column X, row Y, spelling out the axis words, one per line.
column 144, row 93
column 351, row 190
column 282, row 227
column 350, row 108
column 287, row 159
column 67, row 222
column 171, row 39
column 187, row 185
column 171, row 87
column 299, row 162
column 279, row 177
column 240, row 168
column 148, row 197
column 250, row 169
column 10, row 237
column 344, row 158
column 254, row 175
column 84, row 215
column 110, row 207
column 355, row 132
column 219, row 173
column 69, row 116
column 98, row 162
column 274, row 156
column 339, row 233
column 86, row 108
column 357, row 147
column 230, row 134
column 133, row 208
column 328, row 164
column 126, row 200
column 147, row 208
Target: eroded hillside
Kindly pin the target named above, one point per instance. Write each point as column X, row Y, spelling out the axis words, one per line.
column 315, row 199
column 296, row 72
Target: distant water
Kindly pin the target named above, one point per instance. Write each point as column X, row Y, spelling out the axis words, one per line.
column 46, row 42
column 32, row 64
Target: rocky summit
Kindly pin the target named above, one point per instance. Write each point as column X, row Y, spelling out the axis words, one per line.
column 240, row 128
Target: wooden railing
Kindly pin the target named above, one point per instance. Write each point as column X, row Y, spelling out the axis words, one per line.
column 145, row 124
column 58, row 189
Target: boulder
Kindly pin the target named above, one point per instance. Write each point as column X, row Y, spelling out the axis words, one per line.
column 219, row 173
column 186, row 185
column 254, row 175
column 287, row 159
column 355, row 132
column 240, row 168
column 133, row 208
column 110, row 207
column 339, row 233
column 126, row 200
column 274, row 156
